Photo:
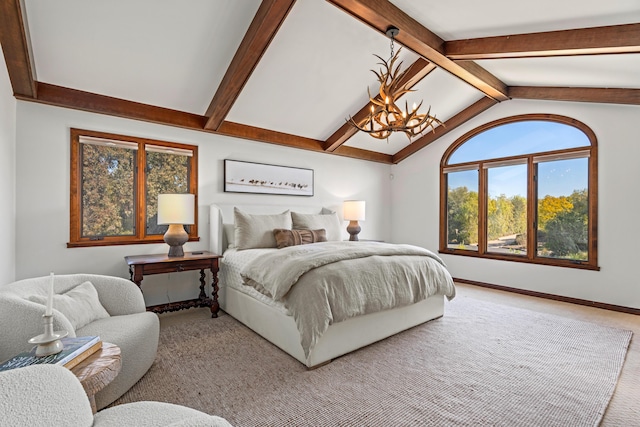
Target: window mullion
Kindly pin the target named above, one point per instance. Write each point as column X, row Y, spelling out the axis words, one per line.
column 593, row 206
column 532, row 209
column 193, row 187
column 140, row 191
column 75, row 220
column 482, row 209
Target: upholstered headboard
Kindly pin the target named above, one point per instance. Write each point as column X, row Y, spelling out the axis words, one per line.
column 221, row 220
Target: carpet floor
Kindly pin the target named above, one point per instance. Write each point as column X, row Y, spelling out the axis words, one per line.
column 481, row 364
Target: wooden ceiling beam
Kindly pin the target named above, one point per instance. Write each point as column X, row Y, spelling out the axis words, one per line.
column 272, row 137
column 410, row 77
column 577, row 94
column 268, row 19
column 455, row 121
column 380, row 14
column 253, row 133
column 358, row 153
column 86, row 101
column 583, row 41
column 16, row 47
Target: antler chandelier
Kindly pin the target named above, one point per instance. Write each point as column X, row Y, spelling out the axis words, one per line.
column 385, row 116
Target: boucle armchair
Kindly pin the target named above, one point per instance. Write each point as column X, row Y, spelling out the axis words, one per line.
column 50, row 395
column 129, row 325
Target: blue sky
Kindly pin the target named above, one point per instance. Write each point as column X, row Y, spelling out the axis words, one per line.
column 557, row 178
column 518, row 138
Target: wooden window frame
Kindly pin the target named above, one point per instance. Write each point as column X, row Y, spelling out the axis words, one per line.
column 140, row 237
column 532, row 198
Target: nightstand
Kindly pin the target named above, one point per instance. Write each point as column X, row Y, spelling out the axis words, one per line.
column 139, row 265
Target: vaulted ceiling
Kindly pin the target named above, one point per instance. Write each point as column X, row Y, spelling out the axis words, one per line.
column 290, row 73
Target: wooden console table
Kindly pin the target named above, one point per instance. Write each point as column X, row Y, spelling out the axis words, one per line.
column 139, row 265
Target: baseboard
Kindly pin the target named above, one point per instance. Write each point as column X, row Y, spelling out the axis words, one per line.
column 612, row 307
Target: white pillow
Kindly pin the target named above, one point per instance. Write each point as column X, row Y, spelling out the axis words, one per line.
column 256, row 231
column 330, row 222
column 80, row 304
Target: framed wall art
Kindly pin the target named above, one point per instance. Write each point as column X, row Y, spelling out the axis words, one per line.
column 248, row 177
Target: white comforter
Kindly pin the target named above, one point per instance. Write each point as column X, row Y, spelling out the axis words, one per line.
column 324, row 283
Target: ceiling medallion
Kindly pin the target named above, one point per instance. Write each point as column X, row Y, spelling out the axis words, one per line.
column 385, row 116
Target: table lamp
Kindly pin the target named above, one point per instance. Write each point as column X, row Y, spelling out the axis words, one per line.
column 176, row 210
column 353, row 211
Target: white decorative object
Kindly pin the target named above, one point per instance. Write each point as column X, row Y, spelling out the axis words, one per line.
column 49, row 306
column 249, row 177
column 49, row 342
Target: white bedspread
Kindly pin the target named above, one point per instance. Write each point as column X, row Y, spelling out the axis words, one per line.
column 324, row 283
column 231, row 266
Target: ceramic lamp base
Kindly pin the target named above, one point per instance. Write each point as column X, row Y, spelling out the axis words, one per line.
column 353, row 228
column 175, row 237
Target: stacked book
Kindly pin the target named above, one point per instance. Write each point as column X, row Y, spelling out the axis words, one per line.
column 76, row 349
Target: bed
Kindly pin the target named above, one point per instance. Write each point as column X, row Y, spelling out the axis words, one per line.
column 269, row 309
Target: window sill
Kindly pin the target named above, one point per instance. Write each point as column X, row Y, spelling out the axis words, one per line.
column 521, row 258
column 108, row 242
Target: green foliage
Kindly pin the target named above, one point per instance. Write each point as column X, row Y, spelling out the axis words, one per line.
column 519, row 214
column 549, row 207
column 506, row 216
column 462, row 216
column 562, row 221
column 108, row 180
column 568, row 232
column 166, row 173
column 109, row 187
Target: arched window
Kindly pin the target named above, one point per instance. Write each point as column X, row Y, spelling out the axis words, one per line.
column 522, row 188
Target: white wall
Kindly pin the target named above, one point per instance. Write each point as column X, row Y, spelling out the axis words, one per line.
column 43, row 193
column 415, row 215
column 7, row 176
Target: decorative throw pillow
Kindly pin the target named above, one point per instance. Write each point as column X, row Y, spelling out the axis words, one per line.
column 256, row 231
column 330, row 222
column 286, row 238
column 80, row 305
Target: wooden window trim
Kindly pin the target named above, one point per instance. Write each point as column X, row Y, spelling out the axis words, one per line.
column 75, row 224
column 532, row 160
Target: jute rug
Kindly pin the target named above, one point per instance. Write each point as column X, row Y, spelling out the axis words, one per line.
column 481, row 364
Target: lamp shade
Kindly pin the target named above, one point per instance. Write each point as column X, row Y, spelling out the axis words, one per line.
column 353, row 210
column 176, row 208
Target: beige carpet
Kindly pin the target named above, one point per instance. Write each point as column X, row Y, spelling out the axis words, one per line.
column 481, row 364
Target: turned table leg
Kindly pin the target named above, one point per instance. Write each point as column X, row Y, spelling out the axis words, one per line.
column 215, row 306
column 135, row 275
column 202, row 295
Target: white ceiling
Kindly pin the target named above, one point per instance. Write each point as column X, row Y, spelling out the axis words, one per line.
column 463, row 19
column 315, row 73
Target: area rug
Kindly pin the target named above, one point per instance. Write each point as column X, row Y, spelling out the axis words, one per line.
column 481, row 364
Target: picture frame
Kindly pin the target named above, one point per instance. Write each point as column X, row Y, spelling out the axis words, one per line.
column 261, row 178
